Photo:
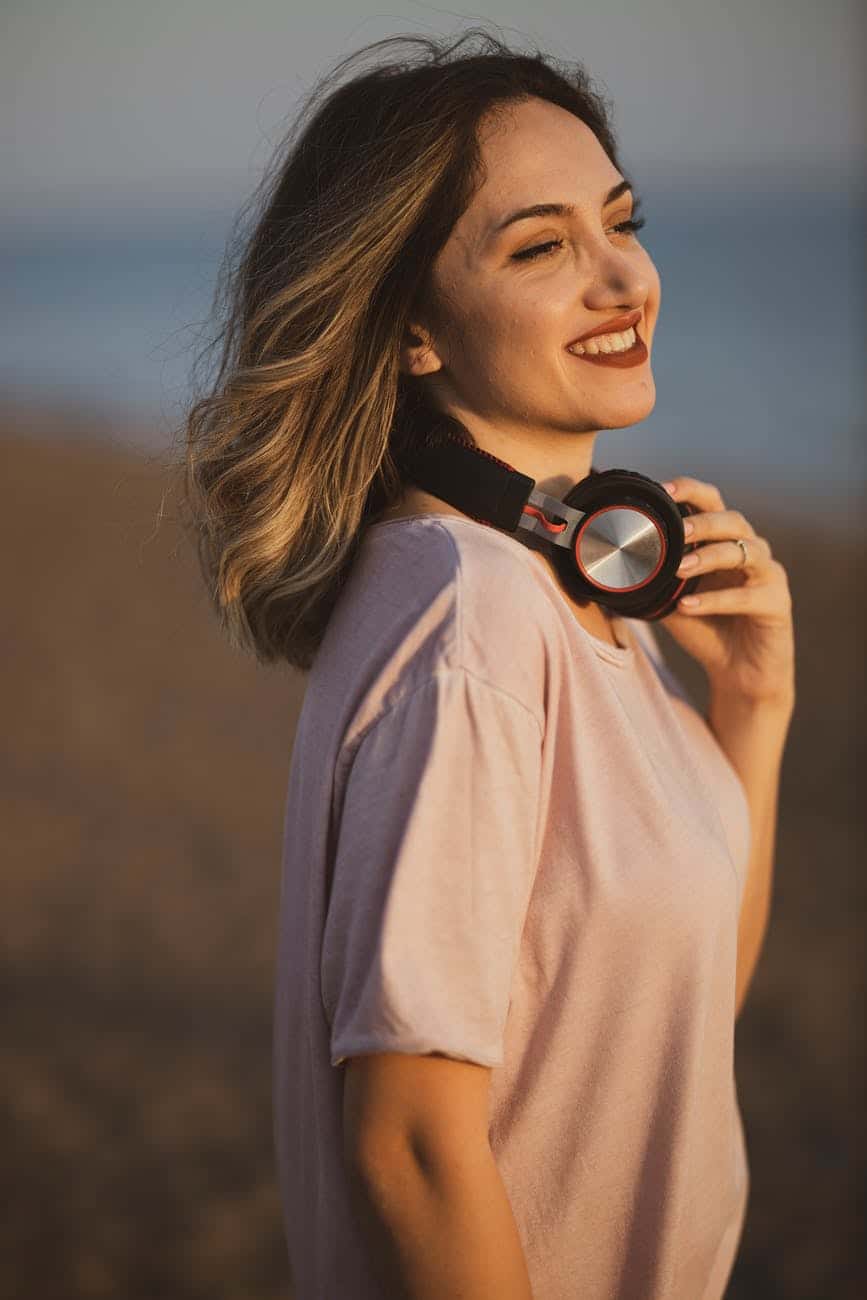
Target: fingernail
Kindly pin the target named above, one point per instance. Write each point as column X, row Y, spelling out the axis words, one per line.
column 670, row 488
column 688, row 528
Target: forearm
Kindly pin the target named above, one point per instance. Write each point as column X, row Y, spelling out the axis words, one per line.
column 753, row 736
column 440, row 1226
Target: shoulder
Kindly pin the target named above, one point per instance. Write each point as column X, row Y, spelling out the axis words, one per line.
column 505, row 629
column 428, row 595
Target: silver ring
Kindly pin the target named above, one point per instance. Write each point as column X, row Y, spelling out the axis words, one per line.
column 742, row 544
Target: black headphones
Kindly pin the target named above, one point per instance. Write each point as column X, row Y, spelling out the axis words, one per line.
column 617, row 535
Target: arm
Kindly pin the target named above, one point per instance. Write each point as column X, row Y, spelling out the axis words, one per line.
column 423, row 1182
column 753, row 735
column 438, row 1223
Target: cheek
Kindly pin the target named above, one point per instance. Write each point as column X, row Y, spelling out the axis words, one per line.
column 654, row 287
column 490, row 329
column 524, row 323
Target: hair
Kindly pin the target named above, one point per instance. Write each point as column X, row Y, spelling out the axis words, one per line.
column 297, row 445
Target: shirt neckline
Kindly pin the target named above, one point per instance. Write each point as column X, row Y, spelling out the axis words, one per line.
column 619, row 654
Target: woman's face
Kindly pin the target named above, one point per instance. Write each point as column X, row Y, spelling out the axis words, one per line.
column 498, row 359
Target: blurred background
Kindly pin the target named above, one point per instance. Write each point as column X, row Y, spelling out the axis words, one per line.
column 145, row 762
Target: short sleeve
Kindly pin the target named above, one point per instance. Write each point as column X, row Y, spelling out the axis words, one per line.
column 434, row 863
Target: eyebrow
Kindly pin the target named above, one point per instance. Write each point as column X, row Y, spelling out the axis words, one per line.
column 558, row 209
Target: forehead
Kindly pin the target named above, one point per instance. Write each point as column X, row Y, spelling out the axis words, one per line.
column 535, row 152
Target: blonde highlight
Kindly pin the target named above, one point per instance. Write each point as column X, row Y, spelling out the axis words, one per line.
column 296, row 447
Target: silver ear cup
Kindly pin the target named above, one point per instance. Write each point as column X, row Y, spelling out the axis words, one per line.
column 625, row 552
column 619, row 548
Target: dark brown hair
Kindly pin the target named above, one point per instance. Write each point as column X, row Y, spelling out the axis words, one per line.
column 296, row 447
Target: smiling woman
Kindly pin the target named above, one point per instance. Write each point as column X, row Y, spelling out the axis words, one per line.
column 514, row 853
column 297, row 447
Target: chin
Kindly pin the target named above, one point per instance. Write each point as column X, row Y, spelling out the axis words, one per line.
column 638, row 407
column 615, row 415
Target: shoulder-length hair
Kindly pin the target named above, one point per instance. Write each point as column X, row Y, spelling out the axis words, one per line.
column 296, row 447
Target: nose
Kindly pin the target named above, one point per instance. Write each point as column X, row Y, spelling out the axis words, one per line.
column 620, row 277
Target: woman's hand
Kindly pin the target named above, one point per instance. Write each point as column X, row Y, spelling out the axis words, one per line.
column 741, row 629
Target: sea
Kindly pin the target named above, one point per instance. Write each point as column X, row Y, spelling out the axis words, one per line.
column 758, row 355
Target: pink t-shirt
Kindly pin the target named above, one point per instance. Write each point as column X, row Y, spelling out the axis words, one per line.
column 513, row 843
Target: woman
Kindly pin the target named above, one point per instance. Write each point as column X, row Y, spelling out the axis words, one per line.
column 525, row 882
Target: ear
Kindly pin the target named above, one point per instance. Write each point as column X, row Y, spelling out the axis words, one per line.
column 418, row 355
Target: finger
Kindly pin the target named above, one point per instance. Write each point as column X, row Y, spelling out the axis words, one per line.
column 727, row 555
column 713, row 524
column 727, row 600
column 705, row 496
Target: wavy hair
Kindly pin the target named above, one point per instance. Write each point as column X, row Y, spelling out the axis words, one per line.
column 297, row 445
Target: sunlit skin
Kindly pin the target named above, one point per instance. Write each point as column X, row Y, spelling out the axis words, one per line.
column 498, row 360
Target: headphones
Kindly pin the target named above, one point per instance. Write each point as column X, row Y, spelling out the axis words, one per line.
column 617, row 536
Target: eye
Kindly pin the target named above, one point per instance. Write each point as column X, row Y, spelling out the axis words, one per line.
column 539, row 250
column 630, row 227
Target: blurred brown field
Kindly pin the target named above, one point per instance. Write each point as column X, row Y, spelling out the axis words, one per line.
column 144, row 782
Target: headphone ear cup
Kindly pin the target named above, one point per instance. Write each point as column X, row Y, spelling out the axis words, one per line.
column 678, row 586
column 627, row 488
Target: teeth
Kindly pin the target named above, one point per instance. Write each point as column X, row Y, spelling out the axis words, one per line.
column 605, row 343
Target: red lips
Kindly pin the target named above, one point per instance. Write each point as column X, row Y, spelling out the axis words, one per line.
column 615, row 326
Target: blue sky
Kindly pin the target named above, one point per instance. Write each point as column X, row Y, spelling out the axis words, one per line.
column 149, row 109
